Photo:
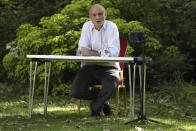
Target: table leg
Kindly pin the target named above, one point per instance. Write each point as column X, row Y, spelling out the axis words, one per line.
column 140, row 77
column 132, row 89
column 46, row 86
column 133, row 99
column 31, row 89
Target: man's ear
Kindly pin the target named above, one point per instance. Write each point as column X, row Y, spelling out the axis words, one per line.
column 105, row 14
column 89, row 15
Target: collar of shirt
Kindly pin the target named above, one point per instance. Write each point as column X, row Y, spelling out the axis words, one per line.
column 103, row 27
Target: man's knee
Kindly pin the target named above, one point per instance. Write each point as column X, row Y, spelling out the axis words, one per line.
column 75, row 94
column 111, row 82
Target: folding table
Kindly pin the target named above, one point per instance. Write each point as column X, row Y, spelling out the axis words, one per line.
column 48, row 58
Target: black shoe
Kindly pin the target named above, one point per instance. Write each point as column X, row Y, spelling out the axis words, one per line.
column 94, row 113
column 107, row 109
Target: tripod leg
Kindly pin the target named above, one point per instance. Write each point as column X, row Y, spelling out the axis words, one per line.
column 132, row 121
column 154, row 121
column 144, row 90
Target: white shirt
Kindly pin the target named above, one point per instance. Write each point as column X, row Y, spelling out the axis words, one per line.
column 107, row 38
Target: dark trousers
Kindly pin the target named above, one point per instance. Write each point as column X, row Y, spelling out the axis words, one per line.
column 87, row 76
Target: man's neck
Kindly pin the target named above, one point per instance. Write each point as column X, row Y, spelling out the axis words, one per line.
column 98, row 28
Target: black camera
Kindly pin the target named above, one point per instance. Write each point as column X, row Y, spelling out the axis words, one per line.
column 137, row 36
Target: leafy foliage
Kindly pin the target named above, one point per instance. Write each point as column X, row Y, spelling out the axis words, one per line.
column 17, row 12
column 59, row 35
column 171, row 23
column 164, row 69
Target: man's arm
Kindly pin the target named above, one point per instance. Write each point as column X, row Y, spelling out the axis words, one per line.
column 113, row 42
column 87, row 52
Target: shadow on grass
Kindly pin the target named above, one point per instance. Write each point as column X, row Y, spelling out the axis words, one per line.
column 67, row 118
column 62, row 115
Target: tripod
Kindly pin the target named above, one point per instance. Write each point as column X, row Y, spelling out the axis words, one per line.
column 137, row 36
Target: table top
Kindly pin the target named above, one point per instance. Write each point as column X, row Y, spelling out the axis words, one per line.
column 87, row 58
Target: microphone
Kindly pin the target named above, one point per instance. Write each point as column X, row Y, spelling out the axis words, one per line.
column 137, row 36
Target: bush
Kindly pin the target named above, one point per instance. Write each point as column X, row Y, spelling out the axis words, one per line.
column 59, row 35
column 168, row 69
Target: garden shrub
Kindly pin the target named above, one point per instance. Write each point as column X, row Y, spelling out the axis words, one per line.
column 59, row 35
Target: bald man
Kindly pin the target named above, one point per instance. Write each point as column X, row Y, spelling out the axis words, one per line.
column 99, row 37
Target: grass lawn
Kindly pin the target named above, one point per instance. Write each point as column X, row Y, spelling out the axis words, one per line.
column 62, row 115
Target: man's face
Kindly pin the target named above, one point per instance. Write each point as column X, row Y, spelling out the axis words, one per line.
column 97, row 15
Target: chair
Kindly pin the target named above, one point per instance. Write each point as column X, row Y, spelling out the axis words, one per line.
column 123, row 49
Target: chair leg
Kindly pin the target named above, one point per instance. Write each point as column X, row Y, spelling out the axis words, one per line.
column 78, row 105
column 125, row 99
column 117, row 100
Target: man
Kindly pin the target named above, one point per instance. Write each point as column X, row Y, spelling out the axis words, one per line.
column 99, row 37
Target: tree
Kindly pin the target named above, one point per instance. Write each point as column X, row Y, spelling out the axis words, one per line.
column 14, row 13
column 171, row 22
column 59, row 35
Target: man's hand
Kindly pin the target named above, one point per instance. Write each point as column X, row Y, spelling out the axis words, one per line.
column 87, row 52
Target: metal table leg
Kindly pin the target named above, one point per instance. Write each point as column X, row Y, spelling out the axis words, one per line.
column 134, row 79
column 140, row 77
column 46, row 86
column 132, row 89
column 131, row 97
column 31, row 89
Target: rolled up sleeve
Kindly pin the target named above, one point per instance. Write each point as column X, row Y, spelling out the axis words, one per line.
column 84, row 38
column 114, row 42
